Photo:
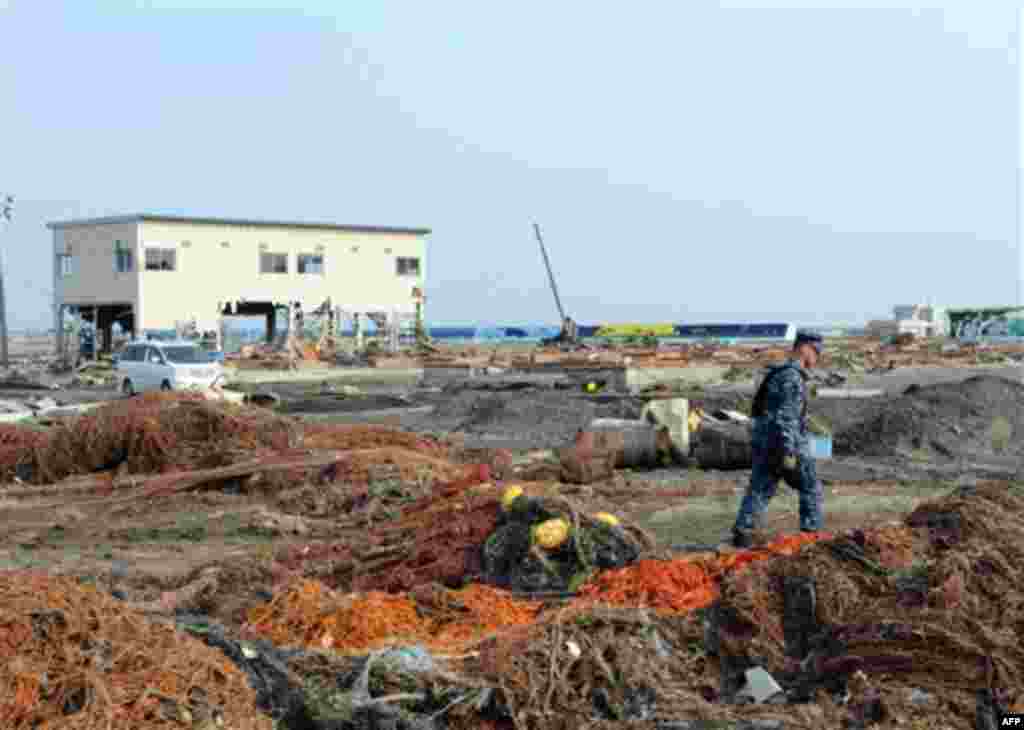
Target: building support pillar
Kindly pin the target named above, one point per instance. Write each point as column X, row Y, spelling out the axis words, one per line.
column 218, row 328
column 95, row 334
column 61, row 343
column 394, row 328
column 272, row 324
column 357, row 329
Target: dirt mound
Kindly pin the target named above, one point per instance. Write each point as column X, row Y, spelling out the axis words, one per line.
column 542, row 418
column 947, row 625
column 73, row 657
column 981, row 416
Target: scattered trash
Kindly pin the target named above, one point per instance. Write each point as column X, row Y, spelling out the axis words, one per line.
column 760, row 686
column 263, row 399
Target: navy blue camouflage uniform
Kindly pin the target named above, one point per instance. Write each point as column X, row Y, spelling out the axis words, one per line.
column 780, row 432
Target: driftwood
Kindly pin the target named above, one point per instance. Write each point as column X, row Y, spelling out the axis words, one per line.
column 163, row 485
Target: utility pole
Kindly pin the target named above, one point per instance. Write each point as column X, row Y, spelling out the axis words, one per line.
column 6, row 212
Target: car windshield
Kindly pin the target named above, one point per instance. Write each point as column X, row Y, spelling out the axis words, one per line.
column 185, row 355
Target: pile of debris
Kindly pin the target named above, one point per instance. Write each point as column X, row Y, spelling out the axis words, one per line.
column 353, row 437
column 933, row 607
column 153, row 433
column 684, row 584
column 310, row 614
column 74, row 657
column 549, row 544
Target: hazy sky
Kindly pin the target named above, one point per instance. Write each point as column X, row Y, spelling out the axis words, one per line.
column 686, row 161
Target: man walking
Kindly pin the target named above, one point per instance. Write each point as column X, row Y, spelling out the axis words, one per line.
column 780, row 445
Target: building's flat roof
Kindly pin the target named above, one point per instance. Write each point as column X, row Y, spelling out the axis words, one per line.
column 153, row 218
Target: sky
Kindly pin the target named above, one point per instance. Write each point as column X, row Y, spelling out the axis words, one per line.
column 807, row 162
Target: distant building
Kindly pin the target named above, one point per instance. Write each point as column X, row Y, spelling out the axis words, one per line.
column 153, row 272
column 920, row 320
column 991, row 323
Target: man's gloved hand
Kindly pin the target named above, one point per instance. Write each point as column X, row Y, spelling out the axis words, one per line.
column 789, row 463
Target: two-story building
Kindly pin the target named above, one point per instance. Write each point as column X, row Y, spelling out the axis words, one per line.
column 151, row 272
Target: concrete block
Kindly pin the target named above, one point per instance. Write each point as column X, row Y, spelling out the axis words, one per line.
column 673, row 414
column 693, row 375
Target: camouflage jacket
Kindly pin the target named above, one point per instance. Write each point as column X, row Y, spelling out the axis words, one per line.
column 784, row 422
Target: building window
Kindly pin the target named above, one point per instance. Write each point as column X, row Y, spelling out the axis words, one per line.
column 65, row 264
column 273, row 263
column 161, row 259
column 122, row 257
column 408, row 266
column 311, row 263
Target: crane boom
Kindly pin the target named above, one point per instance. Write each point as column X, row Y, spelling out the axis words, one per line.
column 551, row 276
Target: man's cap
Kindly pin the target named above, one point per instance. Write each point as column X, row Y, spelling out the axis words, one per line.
column 810, row 338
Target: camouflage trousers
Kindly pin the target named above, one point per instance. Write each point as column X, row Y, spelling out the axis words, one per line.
column 764, row 480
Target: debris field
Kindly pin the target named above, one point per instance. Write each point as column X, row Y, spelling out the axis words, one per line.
column 175, row 562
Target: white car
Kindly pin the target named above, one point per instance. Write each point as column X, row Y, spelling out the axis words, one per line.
column 150, row 365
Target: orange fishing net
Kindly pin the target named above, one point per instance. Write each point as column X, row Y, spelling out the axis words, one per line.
column 677, row 586
column 73, row 657
column 151, row 433
column 352, row 437
column 310, row 614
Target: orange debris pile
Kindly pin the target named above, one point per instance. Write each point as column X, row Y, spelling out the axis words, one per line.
column 148, row 434
column 354, row 437
column 72, row 657
column 678, row 586
column 310, row 614
column 487, row 611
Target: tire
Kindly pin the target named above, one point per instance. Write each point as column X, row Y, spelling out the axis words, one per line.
column 127, row 388
column 165, row 386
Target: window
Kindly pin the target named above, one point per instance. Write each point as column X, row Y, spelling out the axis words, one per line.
column 312, row 263
column 65, row 264
column 161, row 259
column 273, row 263
column 133, row 353
column 185, row 355
column 122, row 257
column 408, row 266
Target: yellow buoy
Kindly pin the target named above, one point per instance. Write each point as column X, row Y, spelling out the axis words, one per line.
column 511, row 495
column 551, row 534
column 607, row 518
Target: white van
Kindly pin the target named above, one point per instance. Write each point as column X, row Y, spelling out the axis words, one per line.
column 153, row 365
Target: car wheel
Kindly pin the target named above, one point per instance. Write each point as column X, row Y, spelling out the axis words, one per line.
column 165, row 386
column 127, row 388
